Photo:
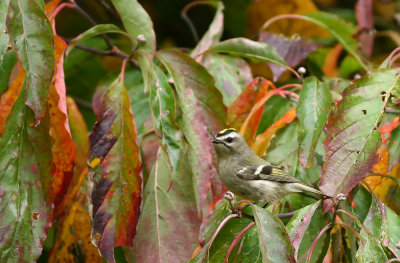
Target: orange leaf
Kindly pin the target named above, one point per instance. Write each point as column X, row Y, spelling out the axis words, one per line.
column 10, row 96
column 261, row 143
column 63, row 148
column 331, row 61
column 74, row 237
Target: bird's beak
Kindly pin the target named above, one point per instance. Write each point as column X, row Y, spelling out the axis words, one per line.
column 215, row 141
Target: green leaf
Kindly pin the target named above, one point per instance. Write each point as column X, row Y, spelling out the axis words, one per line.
column 191, row 78
column 340, row 29
column 4, row 38
column 95, row 31
column 394, row 148
column 25, row 184
column 231, row 75
column 115, row 177
column 214, row 32
column 273, row 239
column 243, row 47
column 168, row 229
column 31, row 36
column 6, row 66
column 298, row 225
column 352, row 133
column 163, row 108
column 137, row 23
column 312, row 111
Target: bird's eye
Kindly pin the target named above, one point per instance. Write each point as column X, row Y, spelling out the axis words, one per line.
column 229, row 140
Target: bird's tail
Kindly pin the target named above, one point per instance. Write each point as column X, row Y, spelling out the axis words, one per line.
column 307, row 188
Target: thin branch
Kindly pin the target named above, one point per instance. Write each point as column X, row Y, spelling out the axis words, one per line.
column 92, row 21
column 349, row 228
column 391, row 110
column 187, row 19
column 357, row 220
column 83, row 103
column 286, row 215
column 310, row 252
column 109, row 8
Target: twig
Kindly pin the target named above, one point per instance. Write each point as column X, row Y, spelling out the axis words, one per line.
column 349, row 228
column 310, row 252
column 109, row 8
column 83, row 103
column 187, row 19
column 391, row 110
column 285, row 215
column 91, row 20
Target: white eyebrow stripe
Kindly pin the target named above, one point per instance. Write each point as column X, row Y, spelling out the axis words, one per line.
column 230, row 135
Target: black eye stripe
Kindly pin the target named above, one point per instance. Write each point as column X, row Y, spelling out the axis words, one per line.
column 229, row 139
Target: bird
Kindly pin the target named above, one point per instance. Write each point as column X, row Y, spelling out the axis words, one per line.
column 247, row 175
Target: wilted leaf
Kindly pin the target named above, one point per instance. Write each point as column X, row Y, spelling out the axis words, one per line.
column 273, row 239
column 169, row 225
column 231, row 75
column 213, row 33
column 293, row 50
column 73, row 240
column 32, row 38
column 352, row 133
column 25, row 184
column 115, row 183
column 163, row 107
column 63, row 148
column 186, row 72
column 261, row 143
column 312, row 110
column 298, row 225
column 239, row 110
column 95, row 31
column 243, row 47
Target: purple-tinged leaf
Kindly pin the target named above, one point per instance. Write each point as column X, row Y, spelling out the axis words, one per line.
column 352, row 133
column 163, row 107
column 115, row 177
column 168, row 229
column 253, row 50
column 273, row 239
column 213, row 34
column 312, row 111
column 293, row 50
column 187, row 73
column 26, row 198
column 298, row 225
column 194, row 85
column 31, row 36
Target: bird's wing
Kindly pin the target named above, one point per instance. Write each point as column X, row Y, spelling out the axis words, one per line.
column 272, row 173
column 265, row 172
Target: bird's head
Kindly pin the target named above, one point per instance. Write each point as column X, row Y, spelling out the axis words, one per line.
column 228, row 142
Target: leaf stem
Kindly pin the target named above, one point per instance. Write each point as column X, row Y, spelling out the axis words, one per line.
column 310, row 252
column 236, row 240
column 349, row 228
column 187, row 19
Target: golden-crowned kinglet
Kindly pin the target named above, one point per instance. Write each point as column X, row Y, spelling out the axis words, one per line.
column 247, row 175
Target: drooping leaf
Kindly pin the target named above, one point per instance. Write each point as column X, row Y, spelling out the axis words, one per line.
column 312, row 111
column 63, row 147
column 231, row 75
column 352, row 133
column 339, row 29
column 213, row 34
column 193, row 89
column 293, row 50
column 243, row 47
column 95, row 31
column 273, row 239
column 140, row 28
column 169, row 225
column 261, row 143
column 163, row 108
column 298, row 225
column 25, row 184
column 186, row 72
column 115, row 179
column 31, row 36
column 239, row 110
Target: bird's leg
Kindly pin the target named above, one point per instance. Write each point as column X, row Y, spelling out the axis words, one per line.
column 230, row 197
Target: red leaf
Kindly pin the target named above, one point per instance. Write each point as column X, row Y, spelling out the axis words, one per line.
column 115, row 177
